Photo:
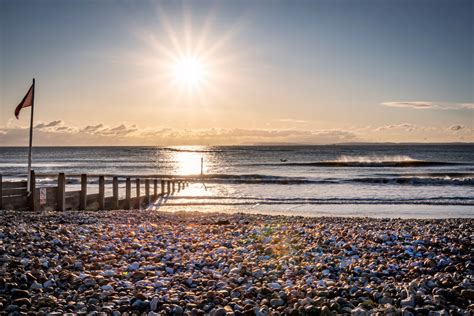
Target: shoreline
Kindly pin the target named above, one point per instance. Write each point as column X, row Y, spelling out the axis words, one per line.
column 375, row 211
column 234, row 264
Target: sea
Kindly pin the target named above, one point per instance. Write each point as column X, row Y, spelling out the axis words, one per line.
column 373, row 180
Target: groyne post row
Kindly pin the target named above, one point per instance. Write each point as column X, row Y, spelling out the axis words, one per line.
column 14, row 195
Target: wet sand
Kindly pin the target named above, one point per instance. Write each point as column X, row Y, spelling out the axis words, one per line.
column 140, row 262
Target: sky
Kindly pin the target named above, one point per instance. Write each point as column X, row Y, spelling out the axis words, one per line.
column 237, row 72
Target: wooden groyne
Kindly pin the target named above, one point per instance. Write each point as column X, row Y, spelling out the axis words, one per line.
column 14, row 195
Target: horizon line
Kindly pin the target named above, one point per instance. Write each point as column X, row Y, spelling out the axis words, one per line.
column 256, row 145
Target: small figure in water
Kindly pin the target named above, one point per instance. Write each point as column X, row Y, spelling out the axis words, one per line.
column 283, row 160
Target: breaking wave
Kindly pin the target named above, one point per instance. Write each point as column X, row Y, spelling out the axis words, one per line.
column 366, row 161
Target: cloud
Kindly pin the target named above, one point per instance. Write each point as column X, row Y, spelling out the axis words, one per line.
column 469, row 106
column 241, row 135
column 48, row 125
column 403, row 126
column 410, row 104
column 59, row 133
column 92, row 128
column 102, row 130
column 456, row 128
column 121, row 130
column 424, row 105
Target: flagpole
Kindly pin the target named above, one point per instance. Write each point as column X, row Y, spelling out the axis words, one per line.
column 31, row 136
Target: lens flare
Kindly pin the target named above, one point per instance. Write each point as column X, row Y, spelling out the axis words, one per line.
column 189, row 71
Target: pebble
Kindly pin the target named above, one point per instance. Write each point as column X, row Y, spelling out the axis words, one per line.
column 274, row 286
column 276, row 302
column 408, row 302
column 107, row 287
column 190, row 263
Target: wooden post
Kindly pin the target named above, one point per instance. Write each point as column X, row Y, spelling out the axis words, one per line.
column 83, row 194
column 32, row 196
column 162, row 187
column 128, row 193
column 147, row 191
column 155, row 188
column 168, row 187
column 137, row 203
column 101, row 192
column 61, row 200
column 115, row 194
column 173, row 186
column 1, row 193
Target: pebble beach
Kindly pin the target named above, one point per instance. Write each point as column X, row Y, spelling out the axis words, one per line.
column 190, row 263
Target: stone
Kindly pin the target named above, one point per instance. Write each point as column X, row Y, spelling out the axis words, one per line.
column 359, row 311
column 89, row 282
column 11, row 308
column 276, row 302
column 406, row 312
column 219, row 312
column 274, row 286
column 325, row 311
column 138, row 275
column 140, row 305
column 134, row 266
column 223, row 222
column 109, row 273
column 468, row 294
column 178, row 310
column 22, row 301
column 107, row 287
column 408, row 302
column 49, row 284
column 385, row 300
column 15, row 293
column 154, row 304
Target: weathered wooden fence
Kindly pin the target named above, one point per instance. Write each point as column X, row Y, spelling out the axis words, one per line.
column 15, row 196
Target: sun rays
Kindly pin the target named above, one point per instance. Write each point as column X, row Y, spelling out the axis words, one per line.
column 193, row 62
column 190, row 71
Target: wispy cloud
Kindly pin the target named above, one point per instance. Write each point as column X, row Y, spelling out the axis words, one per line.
column 61, row 133
column 121, row 130
column 424, row 105
column 456, row 128
column 403, row 126
column 50, row 124
column 92, row 128
column 467, row 105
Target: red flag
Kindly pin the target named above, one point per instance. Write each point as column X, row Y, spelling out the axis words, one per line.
column 26, row 102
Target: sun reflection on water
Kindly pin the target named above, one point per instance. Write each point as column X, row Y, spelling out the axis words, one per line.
column 187, row 160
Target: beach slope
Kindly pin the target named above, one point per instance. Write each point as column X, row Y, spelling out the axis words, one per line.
column 233, row 264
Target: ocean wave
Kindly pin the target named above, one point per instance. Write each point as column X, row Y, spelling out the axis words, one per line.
column 335, row 164
column 417, row 181
column 282, row 180
column 230, row 200
column 401, row 180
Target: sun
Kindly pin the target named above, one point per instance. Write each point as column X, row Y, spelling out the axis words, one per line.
column 189, row 71
column 190, row 65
